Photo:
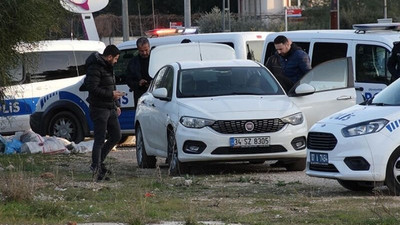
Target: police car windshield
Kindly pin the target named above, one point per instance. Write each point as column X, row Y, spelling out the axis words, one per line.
column 389, row 96
column 204, row 82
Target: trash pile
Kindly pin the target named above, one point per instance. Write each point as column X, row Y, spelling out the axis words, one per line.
column 31, row 142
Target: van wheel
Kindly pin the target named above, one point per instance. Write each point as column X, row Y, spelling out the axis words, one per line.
column 66, row 125
column 365, row 186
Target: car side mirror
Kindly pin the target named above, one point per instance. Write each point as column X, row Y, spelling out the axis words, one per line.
column 304, row 89
column 161, row 93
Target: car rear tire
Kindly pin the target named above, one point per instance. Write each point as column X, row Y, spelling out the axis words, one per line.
column 364, row 186
column 176, row 167
column 393, row 173
column 143, row 160
column 66, row 125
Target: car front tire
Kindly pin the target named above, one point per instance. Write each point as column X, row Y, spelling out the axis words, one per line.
column 143, row 160
column 393, row 173
column 176, row 168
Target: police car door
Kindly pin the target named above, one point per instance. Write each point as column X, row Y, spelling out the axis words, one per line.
column 326, row 89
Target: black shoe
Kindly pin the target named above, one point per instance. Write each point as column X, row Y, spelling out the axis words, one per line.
column 95, row 173
column 104, row 170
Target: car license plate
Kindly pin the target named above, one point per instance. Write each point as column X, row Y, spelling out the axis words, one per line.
column 319, row 158
column 239, row 142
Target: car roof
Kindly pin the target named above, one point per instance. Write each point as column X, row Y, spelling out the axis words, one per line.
column 217, row 63
column 384, row 36
column 207, row 37
column 166, row 54
column 62, row 45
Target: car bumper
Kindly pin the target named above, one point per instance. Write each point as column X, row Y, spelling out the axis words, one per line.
column 217, row 146
column 359, row 158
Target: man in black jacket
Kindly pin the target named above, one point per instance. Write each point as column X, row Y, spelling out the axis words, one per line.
column 393, row 63
column 138, row 78
column 104, row 107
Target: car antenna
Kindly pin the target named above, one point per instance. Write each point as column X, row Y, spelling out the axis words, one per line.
column 201, row 57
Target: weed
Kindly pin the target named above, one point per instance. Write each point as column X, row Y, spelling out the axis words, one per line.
column 17, row 187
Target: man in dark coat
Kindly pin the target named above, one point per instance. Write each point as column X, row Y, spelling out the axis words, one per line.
column 393, row 63
column 138, row 78
column 104, row 107
column 289, row 60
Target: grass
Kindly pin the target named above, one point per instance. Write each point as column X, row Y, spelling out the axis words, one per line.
column 57, row 189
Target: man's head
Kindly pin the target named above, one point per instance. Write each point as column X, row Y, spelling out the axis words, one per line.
column 111, row 54
column 282, row 45
column 143, row 46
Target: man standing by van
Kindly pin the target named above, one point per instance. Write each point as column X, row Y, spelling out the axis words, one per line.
column 289, row 60
column 103, row 106
column 393, row 63
column 138, row 78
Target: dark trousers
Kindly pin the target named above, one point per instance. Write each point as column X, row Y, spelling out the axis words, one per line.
column 105, row 121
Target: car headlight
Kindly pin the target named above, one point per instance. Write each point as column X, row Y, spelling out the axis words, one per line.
column 367, row 127
column 294, row 119
column 192, row 122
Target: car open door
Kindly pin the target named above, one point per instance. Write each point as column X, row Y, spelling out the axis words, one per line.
column 326, row 89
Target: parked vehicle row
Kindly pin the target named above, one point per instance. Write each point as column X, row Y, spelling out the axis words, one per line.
column 224, row 107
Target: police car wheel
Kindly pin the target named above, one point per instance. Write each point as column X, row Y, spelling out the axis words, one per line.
column 393, row 173
column 143, row 160
column 363, row 186
column 66, row 125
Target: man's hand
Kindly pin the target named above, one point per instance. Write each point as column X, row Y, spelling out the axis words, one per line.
column 118, row 94
column 143, row 82
column 118, row 111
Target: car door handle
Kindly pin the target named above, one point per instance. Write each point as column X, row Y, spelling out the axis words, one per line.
column 343, row 97
column 359, row 88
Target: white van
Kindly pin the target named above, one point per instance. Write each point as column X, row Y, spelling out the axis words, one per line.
column 68, row 105
column 369, row 46
column 43, row 68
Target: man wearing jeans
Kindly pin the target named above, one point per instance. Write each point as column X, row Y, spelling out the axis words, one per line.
column 104, row 107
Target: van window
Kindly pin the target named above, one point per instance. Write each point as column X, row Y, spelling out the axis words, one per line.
column 271, row 48
column 323, row 52
column 44, row 66
column 254, row 50
column 371, row 64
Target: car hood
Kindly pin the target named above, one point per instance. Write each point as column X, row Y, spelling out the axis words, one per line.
column 360, row 113
column 238, row 107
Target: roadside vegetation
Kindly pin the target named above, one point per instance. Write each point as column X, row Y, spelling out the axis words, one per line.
column 57, row 189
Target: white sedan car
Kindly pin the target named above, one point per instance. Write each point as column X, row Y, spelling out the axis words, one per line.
column 233, row 110
column 359, row 146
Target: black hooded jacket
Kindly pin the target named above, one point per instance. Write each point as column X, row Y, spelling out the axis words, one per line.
column 100, row 82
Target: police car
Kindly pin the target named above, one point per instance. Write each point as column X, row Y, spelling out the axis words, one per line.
column 43, row 67
column 359, row 146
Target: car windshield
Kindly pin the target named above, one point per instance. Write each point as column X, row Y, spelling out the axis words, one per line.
column 204, row 82
column 389, row 96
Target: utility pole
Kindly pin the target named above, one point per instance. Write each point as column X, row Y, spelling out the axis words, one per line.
column 334, row 14
column 226, row 10
column 154, row 20
column 384, row 9
column 125, row 21
column 187, row 10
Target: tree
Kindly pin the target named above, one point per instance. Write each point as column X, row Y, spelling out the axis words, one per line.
column 25, row 21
